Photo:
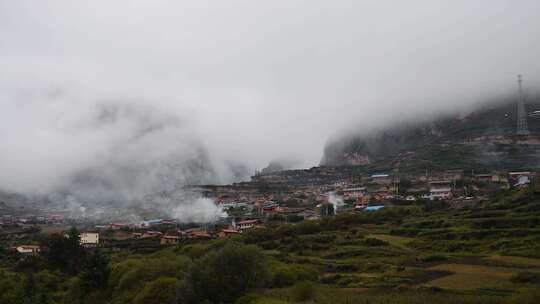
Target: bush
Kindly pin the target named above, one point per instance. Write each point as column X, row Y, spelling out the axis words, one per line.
column 247, row 299
column 283, row 276
column 527, row 296
column 374, row 242
column 159, row 291
column 294, row 218
column 435, row 205
column 430, row 258
column 303, row 292
column 286, row 275
column 525, row 278
column 131, row 275
column 223, row 275
column 331, row 279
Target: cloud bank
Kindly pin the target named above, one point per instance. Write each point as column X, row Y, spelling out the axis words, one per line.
column 115, row 100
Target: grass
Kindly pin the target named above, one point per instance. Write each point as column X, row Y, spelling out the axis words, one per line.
column 469, row 277
column 515, row 261
column 53, row 229
column 362, row 296
column 429, row 255
column 398, row 241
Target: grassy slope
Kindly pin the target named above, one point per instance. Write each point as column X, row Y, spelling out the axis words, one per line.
column 471, row 253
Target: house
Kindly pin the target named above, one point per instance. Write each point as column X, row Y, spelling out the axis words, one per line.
column 482, row 178
column 199, row 235
column 354, row 192
column 247, row 224
column 310, row 214
column 453, row 175
column 168, row 222
column 228, row 233
column 440, row 194
column 151, row 223
column 360, row 207
column 116, row 226
column 381, row 179
column 440, row 190
column 149, row 234
column 374, row 208
column 16, row 233
column 89, row 238
column 28, row 249
column 520, row 179
column 168, row 239
column 119, row 235
column 227, row 205
column 270, row 208
column 290, row 211
column 488, row 178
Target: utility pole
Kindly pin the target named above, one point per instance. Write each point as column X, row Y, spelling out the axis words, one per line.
column 522, row 128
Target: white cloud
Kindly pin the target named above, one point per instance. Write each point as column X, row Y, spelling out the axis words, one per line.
column 248, row 81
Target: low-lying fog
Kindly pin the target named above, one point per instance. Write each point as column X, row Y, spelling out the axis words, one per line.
column 110, row 101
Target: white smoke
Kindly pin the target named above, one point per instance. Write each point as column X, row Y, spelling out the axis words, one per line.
column 335, row 200
column 201, row 210
column 70, row 203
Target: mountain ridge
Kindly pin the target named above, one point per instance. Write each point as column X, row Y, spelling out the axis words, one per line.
column 486, row 133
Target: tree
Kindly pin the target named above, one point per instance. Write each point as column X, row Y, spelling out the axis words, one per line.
column 64, row 253
column 159, row 291
column 95, row 271
column 224, row 275
column 294, row 218
column 10, row 287
column 303, row 291
column 31, row 294
column 404, row 184
column 327, row 210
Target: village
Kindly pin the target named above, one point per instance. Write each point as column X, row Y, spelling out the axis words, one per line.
column 269, row 200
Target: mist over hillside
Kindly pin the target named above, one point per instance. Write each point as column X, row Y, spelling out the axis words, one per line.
column 106, row 103
column 489, row 120
column 106, row 153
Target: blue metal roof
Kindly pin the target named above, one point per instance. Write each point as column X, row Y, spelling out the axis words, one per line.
column 374, row 208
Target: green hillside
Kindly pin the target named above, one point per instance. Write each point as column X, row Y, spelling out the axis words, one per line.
column 421, row 252
column 485, row 137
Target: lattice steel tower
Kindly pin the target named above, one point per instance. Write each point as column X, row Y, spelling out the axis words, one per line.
column 522, row 128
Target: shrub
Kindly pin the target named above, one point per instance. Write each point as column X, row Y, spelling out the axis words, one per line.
column 223, row 275
column 303, row 292
column 527, row 296
column 247, row 299
column 525, row 278
column 374, row 242
column 331, row 279
column 283, row 276
column 159, row 291
column 286, row 275
column 432, row 258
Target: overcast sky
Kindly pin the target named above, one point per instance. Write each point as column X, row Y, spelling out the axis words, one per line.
column 249, row 81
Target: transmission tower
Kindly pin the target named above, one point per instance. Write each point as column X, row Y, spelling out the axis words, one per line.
column 522, row 128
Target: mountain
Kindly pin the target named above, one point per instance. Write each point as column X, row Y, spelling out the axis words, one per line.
column 483, row 137
column 280, row 164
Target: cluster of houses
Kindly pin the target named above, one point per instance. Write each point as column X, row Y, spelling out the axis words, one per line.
column 362, row 190
column 160, row 231
column 305, row 197
column 25, row 221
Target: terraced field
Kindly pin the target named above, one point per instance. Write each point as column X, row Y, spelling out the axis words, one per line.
column 468, row 277
column 483, row 253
